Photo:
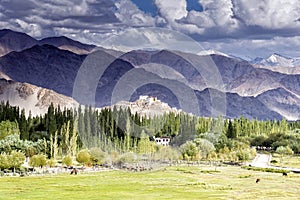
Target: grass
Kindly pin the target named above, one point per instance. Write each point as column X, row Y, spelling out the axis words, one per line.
column 286, row 161
column 266, row 169
column 168, row 183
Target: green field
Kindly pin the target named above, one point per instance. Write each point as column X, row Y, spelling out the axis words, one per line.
column 167, row 183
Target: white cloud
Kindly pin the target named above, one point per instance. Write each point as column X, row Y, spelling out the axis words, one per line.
column 217, row 14
column 252, row 48
column 31, row 28
column 220, row 11
column 271, row 14
column 252, row 27
column 129, row 14
column 60, row 8
column 171, row 10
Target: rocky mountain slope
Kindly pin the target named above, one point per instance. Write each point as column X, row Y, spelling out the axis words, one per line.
column 16, row 41
column 242, row 88
column 45, row 66
column 32, row 98
column 65, row 43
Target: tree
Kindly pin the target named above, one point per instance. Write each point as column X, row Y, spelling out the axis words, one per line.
column 8, row 128
column 231, row 131
column 73, row 140
column 284, row 150
column 145, row 146
column 205, row 147
column 4, row 163
column 38, row 161
column 189, row 150
column 16, row 159
column 166, row 153
column 83, row 157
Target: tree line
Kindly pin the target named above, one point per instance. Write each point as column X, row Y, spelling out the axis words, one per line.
column 64, row 132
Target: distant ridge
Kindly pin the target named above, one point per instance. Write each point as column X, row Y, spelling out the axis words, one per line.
column 247, row 90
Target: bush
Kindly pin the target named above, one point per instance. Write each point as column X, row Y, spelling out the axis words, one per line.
column 274, row 161
column 16, row 159
column 189, row 150
column 84, row 157
column 127, row 158
column 38, row 161
column 97, row 156
column 67, row 160
column 4, row 163
column 51, row 162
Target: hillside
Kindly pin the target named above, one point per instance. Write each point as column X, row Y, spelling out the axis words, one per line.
column 104, row 77
column 31, row 98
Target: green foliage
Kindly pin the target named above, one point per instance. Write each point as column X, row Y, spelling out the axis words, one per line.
column 97, row 156
column 231, row 132
column 284, row 150
column 16, row 159
column 8, row 128
column 13, row 142
column 166, row 153
column 204, row 146
column 127, row 158
column 38, row 161
column 145, row 146
column 84, row 157
column 51, row 162
column 189, row 150
column 4, row 161
column 67, row 160
column 117, row 130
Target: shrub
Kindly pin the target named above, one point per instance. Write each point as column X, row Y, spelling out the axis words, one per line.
column 274, row 161
column 16, row 159
column 97, row 156
column 127, row 158
column 38, row 161
column 51, row 162
column 67, row 160
column 84, row 157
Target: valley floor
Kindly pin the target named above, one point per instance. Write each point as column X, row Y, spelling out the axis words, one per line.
column 178, row 182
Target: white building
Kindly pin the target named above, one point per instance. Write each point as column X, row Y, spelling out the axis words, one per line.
column 148, row 99
column 164, row 141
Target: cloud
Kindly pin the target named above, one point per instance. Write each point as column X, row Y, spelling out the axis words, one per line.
column 129, row 14
column 269, row 14
column 227, row 25
column 251, row 48
column 171, row 10
column 217, row 17
column 42, row 18
column 32, row 29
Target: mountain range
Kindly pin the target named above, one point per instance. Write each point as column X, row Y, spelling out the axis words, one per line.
column 277, row 60
column 242, row 88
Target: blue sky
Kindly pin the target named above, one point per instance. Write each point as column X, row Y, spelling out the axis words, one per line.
column 240, row 27
column 148, row 6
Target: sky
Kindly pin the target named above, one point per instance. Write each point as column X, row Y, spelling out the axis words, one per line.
column 243, row 28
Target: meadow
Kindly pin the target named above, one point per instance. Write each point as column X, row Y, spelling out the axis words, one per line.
column 177, row 182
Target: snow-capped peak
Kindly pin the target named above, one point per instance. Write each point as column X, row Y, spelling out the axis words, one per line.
column 276, row 60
